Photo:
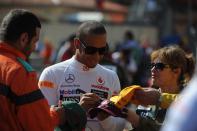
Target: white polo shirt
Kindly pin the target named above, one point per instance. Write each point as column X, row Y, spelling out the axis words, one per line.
column 68, row 80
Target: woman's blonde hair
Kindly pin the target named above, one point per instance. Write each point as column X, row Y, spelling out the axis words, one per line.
column 176, row 57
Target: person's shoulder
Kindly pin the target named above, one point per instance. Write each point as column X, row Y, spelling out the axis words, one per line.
column 15, row 64
column 53, row 71
column 58, row 66
column 24, row 64
column 17, row 68
column 105, row 69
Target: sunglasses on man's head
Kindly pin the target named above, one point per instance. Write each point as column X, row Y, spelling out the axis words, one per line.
column 92, row 50
column 159, row 66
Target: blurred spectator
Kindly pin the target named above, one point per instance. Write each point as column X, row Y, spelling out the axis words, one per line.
column 99, row 4
column 66, row 49
column 170, row 40
column 176, row 39
column 47, row 52
column 131, row 56
column 144, row 72
column 108, row 63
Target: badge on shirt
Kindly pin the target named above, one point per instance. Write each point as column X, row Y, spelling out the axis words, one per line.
column 100, row 80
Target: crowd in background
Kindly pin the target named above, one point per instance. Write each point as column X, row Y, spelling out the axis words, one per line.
column 130, row 58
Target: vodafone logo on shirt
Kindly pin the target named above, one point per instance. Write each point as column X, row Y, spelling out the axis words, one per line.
column 100, row 87
column 100, row 80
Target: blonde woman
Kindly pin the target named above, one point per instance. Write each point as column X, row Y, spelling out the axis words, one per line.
column 171, row 69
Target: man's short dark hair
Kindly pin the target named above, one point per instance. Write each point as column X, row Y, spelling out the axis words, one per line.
column 90, row 28
column 16, row 22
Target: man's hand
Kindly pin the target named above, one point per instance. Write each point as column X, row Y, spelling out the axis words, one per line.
column 89, row 100
column 147, row 96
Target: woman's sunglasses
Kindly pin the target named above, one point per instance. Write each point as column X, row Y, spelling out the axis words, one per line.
column 159, row 66
column 92, row 50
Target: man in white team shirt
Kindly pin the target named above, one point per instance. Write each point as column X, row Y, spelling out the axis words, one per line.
column 82, row 79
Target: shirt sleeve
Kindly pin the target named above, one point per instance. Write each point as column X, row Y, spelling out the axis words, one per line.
column 116, row 85
column 48, row 85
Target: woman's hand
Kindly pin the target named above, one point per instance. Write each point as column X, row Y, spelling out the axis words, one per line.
column 147, row 96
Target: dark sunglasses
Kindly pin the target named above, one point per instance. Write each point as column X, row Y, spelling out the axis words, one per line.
column 159, row 66
column 92, row 50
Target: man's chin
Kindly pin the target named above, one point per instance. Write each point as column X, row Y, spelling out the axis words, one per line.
column 27, row 53
column 27, row 56
column 91, row 65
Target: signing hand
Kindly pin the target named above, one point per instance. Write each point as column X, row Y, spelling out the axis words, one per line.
column 89, row 100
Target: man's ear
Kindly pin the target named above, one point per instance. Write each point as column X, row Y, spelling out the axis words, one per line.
column 77, row 43
column 23, row 39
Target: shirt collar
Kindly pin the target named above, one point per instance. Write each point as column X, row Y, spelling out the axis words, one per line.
column 78, row 65
column 4, row 47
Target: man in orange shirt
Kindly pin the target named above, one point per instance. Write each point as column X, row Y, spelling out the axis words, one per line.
column 23, row 106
